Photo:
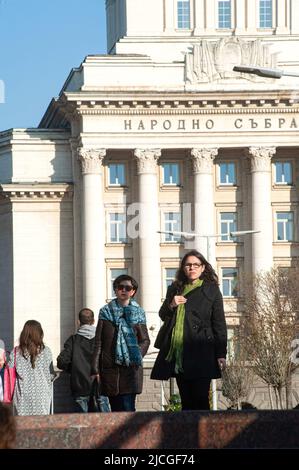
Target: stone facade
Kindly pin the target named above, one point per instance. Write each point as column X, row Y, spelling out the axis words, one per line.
column 165, row 99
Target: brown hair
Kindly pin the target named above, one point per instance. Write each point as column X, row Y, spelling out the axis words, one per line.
column 7, row 427
column 31, row 340
column 208, row 274
column 86, row 316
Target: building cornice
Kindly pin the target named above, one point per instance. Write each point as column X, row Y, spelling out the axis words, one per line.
column 71, row 106
column 33, row 136
column 190, row 111
column 35, row 191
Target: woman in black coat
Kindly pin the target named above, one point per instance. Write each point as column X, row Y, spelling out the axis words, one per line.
column 193, row 337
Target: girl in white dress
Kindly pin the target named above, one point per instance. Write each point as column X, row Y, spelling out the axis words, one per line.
column 35, row 372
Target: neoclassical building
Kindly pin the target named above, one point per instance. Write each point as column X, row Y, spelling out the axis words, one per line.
column 160, row 134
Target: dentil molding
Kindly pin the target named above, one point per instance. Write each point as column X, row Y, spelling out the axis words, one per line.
column 35, row 192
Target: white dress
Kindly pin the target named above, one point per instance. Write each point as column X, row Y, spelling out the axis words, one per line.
column 33, row 392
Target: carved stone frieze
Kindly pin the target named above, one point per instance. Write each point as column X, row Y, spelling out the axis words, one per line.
column 41, row 192
column 91, row 160
column 260, row 158
column 147, row 160
column 203, row 159
column 210, row 61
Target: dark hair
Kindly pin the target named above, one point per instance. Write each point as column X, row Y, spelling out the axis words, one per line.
column 86, row 316
column 7, row 427
column 31, row 340
column 208, row 274
column 125, row 277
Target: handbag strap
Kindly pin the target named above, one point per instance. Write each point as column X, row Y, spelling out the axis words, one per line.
column 15, row 357
column 14, row 354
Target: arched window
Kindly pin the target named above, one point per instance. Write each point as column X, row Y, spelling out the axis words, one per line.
column 224, row 14
column 183, row 14
column 266, row 12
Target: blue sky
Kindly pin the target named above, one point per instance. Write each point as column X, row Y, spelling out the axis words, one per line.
column 40, row 42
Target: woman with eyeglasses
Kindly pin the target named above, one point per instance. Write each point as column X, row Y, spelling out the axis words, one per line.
column 121, row 342
column 193, row 337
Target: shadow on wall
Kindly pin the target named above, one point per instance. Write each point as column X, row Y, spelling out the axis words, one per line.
column 161, row 430
column 207, row 430
column 227, row 430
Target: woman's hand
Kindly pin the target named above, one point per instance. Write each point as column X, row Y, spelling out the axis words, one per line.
column 221, row 363
column 177, row 300
column 96, row 376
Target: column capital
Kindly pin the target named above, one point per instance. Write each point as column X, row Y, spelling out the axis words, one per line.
column 202, row 159
column 260, row 158
column 91, row 160
column 147, row 160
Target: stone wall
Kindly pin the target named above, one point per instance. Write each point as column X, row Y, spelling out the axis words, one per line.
column 158, row 430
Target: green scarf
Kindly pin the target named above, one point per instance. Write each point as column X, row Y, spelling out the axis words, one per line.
column 177, row 337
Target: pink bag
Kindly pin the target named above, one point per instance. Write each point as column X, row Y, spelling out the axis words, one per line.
column 10, row 376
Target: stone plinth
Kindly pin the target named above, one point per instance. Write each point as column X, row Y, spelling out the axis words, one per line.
column 161, row 430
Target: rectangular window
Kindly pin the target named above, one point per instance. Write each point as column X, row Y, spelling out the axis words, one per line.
column 114, row 273
column 265, row 13
column 229, row 282
column 171, row 175
column 172, row 222
column 228, row 224
column 224, row 14
column 285, row 226
column 118, row 228
column 283, row 173
column 227, row 173
column 169, row 278
column 183, row 11
column 116, row 174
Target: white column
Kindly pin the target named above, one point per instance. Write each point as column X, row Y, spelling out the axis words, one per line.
column 93, row 231
column 252, row 15
column 281, row 17
column 170, row 17
column 240, row 16
column 149, row 240
column 262, row 257
column 199, row 17
column 211, row 16
column 203, row 164
column 294, row 14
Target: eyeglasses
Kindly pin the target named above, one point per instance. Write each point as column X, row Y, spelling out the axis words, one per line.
column 195, row 265
column 126, row 288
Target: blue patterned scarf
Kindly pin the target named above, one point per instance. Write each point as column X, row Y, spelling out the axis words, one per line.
column 127, row 349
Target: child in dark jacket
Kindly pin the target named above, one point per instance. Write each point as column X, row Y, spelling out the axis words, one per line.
column 76, row 359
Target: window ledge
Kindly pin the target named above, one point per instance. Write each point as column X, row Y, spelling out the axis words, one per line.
column 280, row 186
column 226, row 30
column 227, row 187
column 285, row 242
column 120, row 244
column 171, row 187
column 267, row 29
column 230, row 243
column 171, row 244
column 117, row 188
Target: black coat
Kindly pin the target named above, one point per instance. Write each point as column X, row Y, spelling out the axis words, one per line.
column 76, row 359
column 205, row 334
